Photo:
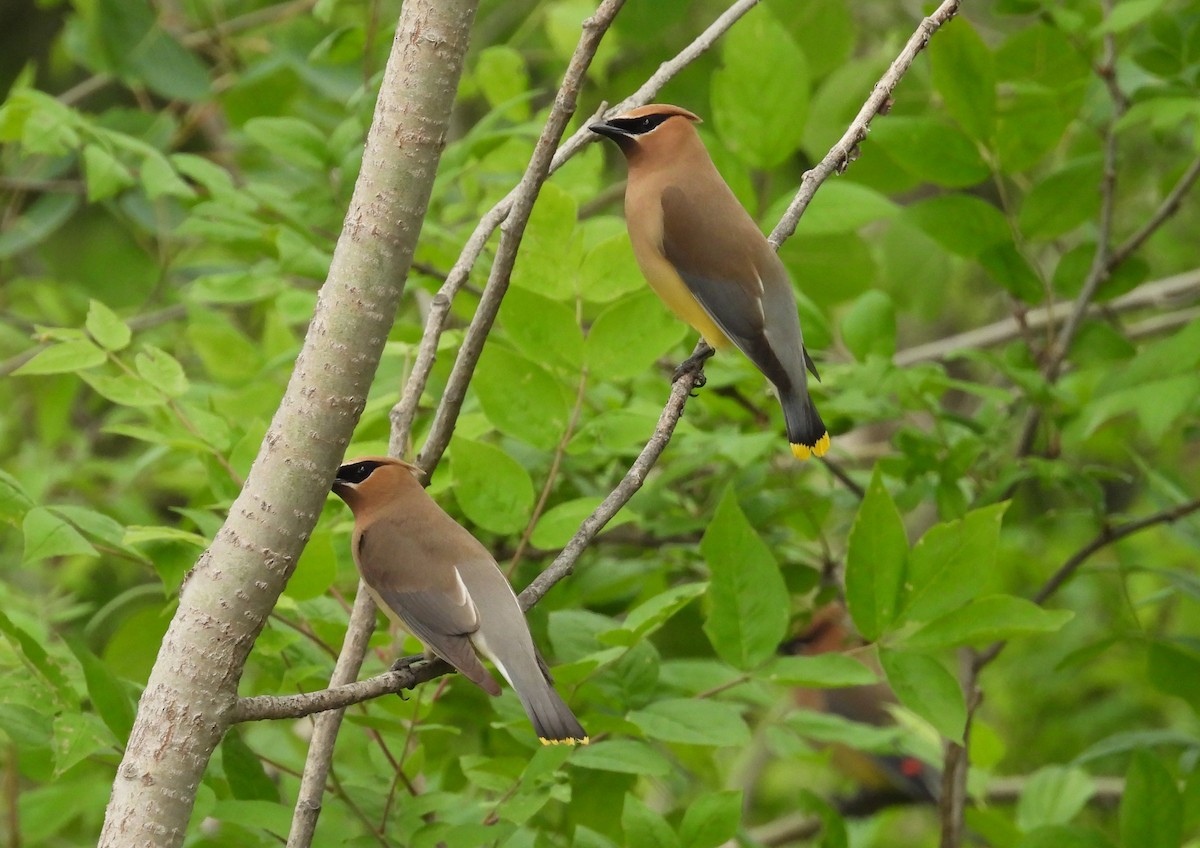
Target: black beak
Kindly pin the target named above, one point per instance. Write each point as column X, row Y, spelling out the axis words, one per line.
column 609, row 131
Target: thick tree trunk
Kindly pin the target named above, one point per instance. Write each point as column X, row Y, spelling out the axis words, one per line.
column 225, row 600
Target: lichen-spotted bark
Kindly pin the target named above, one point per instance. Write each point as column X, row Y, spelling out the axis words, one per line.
column 225, row 600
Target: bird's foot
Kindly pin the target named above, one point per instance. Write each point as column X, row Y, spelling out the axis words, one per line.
column 406, row 664
column 694, row 364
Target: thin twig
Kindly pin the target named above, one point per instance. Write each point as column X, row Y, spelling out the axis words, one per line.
column 326, row 725
column 1177, row 289
column 404, row 413
column 1166, row 209
column 512, row 231
column 564, row 563
column 1106, row 537
column 846, row 148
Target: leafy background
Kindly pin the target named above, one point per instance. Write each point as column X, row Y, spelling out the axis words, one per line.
column 173, row 182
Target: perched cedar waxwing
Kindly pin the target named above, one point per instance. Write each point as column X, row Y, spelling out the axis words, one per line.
column 704, row 256
column 883, row 779
column 441, row 584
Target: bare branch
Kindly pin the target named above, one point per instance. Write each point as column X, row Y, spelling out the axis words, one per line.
column 1106, row 537
column 845, row 150
column 512, row 231
column 1169, row 207
column 326, row 725
column 1171, row 290
column 564, row 563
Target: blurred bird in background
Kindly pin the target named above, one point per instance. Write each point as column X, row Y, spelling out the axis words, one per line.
column 883, row 779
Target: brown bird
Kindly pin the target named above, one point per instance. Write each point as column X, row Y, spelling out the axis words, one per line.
column 441, row 584
column 705, row 257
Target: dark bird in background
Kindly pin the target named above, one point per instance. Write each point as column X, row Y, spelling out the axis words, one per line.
column 442, row 585
column 884, row 780
column 705, row 257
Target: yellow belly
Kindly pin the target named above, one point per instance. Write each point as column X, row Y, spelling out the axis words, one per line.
column 670, row 287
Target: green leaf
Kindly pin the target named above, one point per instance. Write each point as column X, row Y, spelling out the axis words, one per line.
column 317, row 568
column 1127, row 14
column 162, row 371
column 110, row 697
column 105, row 175
column 922, row 684
column 1120, row 743
column 824, row 31
column 932, row 150
column 987, row 620
column 875, row 559
column 950, row 564
column 545, row 330
column 869, row 326
column 749, row 603
column 964, row 74
column 559, row 523
column 1008, row 267
column 964, row 225
column 624, row 756
column 1174, row 668
column 1053, row 795
column 39, row 220
column 609, row 271
column 550, row 249
column 63, row 358
column 1151, row 813
column 1062, row 201
column 824, row 671
column 291, row 140
column 502, row 77
column 520, row 398
column 14, row 500
column 109, row 331
column 493, row 490
column 650, row 615
column 92, row 523
column 690, row 721
column 161, row 180
column 124, row 390
column 627, row 338
column 643, row 827
column 1063, row 836
column 711, row 819
column 44, row 666
column 842, row 207
column 760, row 64
column 247, row 778
column 77, row 736
column 47, row 535
column 139, row 535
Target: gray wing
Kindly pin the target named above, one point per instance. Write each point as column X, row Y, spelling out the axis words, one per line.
column 443, row 616
column 737, row 279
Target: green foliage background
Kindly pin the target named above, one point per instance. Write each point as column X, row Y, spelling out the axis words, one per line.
column 173, row 183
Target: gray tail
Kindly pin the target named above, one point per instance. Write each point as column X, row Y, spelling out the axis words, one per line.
column 552, row 719
column 805, row 430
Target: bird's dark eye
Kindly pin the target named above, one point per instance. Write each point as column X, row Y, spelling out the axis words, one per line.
column 356, row 472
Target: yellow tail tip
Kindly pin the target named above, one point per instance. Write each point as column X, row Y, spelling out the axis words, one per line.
column 570, row 741
column 803, row 452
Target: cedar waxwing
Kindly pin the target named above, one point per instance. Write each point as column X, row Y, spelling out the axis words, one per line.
column 883, row 779
column 441, row 584
column 704, row 256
